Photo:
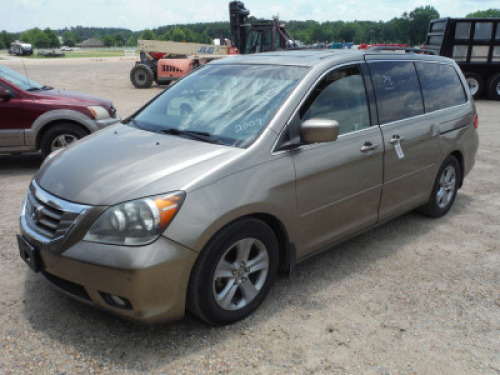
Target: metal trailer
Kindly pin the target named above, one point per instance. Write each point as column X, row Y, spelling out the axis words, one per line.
column 20, row 49
column 474, row 43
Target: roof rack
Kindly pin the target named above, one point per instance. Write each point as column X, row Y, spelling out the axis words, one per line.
column 406, row 49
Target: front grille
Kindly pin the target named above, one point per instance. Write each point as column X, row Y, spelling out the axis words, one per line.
column 48, row 216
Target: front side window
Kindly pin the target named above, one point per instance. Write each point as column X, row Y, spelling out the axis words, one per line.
column 441, row 86
column 231, row 104
column 340, row 96
column 397, row 90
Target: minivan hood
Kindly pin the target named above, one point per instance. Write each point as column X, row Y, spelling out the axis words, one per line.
column 121, row 163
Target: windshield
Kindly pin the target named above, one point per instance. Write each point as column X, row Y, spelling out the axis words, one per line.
column 19, row 80
column 231, row 104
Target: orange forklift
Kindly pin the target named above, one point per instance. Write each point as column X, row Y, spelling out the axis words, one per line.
column 165, row 61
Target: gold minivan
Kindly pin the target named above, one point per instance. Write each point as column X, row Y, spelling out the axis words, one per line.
column 241, row 169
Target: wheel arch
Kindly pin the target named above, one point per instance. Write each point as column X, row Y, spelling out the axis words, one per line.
column 46, row 127
column 459, row 156
column 287, row 253
column 56, row 117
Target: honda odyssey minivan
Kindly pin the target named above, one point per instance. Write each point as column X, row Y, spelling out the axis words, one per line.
column 241, row 169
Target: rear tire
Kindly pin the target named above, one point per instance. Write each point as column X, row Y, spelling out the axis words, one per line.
column 493, row 87
column 142, row 76
column 60, row 136
column 476, row 84
column 234, row 272
column 444, row 190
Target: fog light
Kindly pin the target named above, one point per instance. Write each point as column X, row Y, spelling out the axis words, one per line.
column 116, row 301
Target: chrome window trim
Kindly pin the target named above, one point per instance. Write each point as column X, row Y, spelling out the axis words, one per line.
column 352, row 134
column 425, row 114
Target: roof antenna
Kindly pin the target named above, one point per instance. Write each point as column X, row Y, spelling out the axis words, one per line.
column 26, row 74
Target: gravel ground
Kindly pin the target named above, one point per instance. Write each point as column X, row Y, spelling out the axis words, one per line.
column 414, row 296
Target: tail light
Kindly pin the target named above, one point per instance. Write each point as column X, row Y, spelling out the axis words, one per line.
column 476, row 122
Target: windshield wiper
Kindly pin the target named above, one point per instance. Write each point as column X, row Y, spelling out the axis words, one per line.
column 39, row 88
column 201, row 136
column 131, row 121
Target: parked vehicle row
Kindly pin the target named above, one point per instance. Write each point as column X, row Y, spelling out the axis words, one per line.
column 242, row 168
column 37, row 117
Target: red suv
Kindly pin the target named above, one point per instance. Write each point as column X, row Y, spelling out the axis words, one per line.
column 35, row 117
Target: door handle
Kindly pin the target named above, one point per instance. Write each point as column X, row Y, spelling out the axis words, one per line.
column 396, row 139
column 368, row 146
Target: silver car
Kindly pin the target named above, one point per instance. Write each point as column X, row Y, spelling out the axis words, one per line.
column 241, row 169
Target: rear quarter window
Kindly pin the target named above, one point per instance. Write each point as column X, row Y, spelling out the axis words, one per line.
column 397, row 90
column 441, row 86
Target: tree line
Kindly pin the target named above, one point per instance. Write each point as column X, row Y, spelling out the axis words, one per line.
column 409, row 28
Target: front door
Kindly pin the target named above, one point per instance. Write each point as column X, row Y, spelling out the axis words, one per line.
column 12, row 122
column 338, row 184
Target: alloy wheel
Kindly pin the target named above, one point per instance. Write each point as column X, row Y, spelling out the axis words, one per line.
column 62, row 141
column 240, row 274
column 447, row 185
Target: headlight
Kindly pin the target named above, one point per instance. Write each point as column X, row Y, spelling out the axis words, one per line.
column 137, row 222
column 99, row 113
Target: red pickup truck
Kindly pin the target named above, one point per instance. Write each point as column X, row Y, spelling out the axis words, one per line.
column 35, row 117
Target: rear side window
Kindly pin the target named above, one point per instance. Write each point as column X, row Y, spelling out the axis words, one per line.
column 441, row 86
column 397, row 90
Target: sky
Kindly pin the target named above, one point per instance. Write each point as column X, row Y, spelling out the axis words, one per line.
column 20, row 15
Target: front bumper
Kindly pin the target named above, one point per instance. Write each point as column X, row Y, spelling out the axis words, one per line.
column 151, row 281
column 155, row 294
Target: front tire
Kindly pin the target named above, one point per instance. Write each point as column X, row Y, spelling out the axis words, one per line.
column 444, row 190
column 142, row 76
column 60, row 136
column 234, row 272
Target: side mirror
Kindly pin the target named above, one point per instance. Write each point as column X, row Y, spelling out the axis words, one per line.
column 318, row 130
column 5, row 94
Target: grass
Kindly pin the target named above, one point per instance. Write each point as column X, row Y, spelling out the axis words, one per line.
column 84, row 53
